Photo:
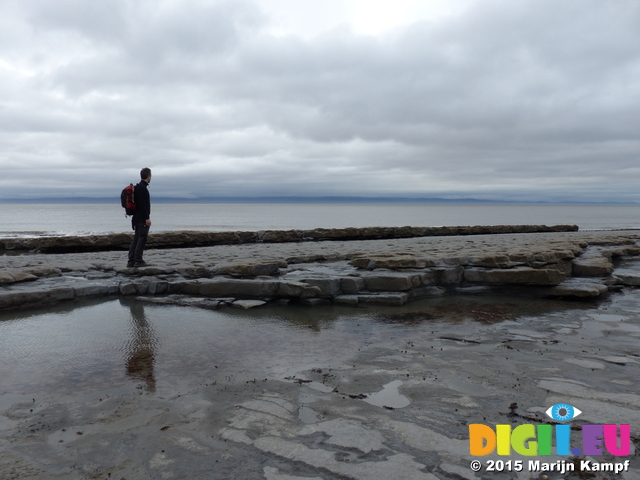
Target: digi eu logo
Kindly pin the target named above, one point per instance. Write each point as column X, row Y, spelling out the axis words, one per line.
column 531, row 440
column 562, row 412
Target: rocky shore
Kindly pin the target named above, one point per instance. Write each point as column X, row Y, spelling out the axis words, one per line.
column 186, row 239
column 334, row 393
column 382, row 267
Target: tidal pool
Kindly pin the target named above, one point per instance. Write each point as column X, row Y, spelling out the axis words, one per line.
column 74, row 349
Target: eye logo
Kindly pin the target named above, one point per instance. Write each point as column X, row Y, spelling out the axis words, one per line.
column 562, row 412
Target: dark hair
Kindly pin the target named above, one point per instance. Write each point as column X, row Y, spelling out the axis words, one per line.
column 145, row 172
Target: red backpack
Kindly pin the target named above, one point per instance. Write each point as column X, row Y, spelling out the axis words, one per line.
column 127, row 200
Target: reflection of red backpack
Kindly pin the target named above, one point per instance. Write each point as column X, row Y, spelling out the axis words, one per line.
column 127, row 201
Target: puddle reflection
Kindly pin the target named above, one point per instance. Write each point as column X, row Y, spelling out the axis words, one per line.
column 141, row 351
column 125, row 343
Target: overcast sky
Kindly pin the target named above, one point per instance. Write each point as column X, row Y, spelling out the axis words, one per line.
column 491, row 99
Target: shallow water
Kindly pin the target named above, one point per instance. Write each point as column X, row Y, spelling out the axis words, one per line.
column 76, row 349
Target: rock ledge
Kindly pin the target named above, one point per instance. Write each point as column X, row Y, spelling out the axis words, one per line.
column 572, row 264
column 188, row 239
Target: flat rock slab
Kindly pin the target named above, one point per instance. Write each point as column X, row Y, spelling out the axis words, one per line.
column 251, row 269
column 578, row 287
column 247, row 304
column 628, row 277
column 221, row 287
column 595, row 266
column 346, row 300
column 388, row 281
column 514, row 276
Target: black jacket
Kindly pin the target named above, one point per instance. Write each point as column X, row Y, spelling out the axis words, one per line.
column 143, row 203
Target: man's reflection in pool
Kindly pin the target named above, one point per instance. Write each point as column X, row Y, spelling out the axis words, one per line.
column 140, row 350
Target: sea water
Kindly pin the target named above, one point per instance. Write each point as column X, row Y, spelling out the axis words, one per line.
column 84, row 219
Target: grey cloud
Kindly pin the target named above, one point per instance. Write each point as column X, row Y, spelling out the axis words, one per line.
column 510, row 97
column 103, row 21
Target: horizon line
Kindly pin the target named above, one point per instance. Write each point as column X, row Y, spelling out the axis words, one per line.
column 314, row 200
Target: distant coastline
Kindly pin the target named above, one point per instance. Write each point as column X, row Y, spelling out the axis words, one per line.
column 327, row 200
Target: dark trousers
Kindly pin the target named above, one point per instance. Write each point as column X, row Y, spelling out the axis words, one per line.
column 138, row 243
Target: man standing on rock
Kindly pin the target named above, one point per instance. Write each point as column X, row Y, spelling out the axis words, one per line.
column 140, row 221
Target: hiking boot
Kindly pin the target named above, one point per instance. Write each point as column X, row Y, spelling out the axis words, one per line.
column 130, row 264
column 140, row 264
